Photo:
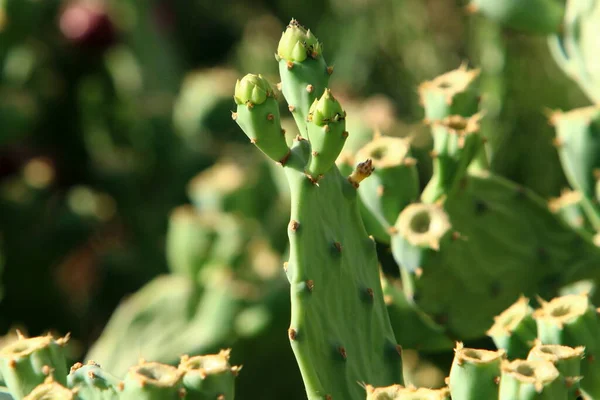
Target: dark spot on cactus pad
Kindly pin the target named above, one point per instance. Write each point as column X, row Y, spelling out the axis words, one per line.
column 480, row 207
column 542, row 254
column 495, row 289
column 310, row 284
column 337, row 246
column 367, row 295
column 520, row 191
column 342, row 351
column 441, row 318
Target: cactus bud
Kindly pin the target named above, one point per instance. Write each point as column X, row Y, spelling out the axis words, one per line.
column 258, row 116
column 326, row 132
column 297, row 43
column 253, row 89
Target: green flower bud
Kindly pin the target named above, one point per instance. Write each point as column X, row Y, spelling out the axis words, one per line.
column 325, row 110
column 252, row 89
column 297, row 43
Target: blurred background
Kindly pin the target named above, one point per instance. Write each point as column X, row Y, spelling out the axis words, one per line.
column 109, row 109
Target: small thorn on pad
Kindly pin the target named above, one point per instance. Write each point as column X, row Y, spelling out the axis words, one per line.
column 342, row 351
column 293, row 225
column 330, row 69
column 292, row 334
column 337, row 246
column 291, row 108
column 270, row 117
column 310, row 88
column 310, row 285
column 289, row 65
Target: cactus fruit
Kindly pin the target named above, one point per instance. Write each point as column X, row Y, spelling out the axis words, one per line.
column 566, row 359
column 572, row 321
column 531, row 16
column 394, row 183
column 453, row 93
column 51, row 390
column 578, row 147
column 399, row 392
column 531, row 380
column 28, row 361
column 258, row 116
column 303, row 71
column 514, row 330
column 209, row 377
column 152, row 381
column 457, row 142
column 475, row 373
column 91, row 382
column 491, row 268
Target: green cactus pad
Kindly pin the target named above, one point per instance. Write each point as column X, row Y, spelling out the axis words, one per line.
column 413, row 328
column 209, row 377
column 475, row 373
column 258, row 116
column 152, row 381
column 514, row 330
column 531, row 16
column 531, row 380
column 503, row 242
column 304, row 73
column 93, row 383
column 566, row 359
column 337, row 301
column 327, row 134
column 51, row 390
column 399, row 392
column 27, row 362
column 453, row 93
column 571, row 320
column 394, row 183
column 578, row 142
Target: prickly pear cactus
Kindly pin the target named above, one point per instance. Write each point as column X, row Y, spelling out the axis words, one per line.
column 450, row 249
column 93, row 383
column 340, row 331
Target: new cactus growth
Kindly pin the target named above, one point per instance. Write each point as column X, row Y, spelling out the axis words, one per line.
column 27, row 362
column 304, row 73
column 209, row 377
column 327, row 133
column 531, row 380
column 475, row 373
column 394, row 183
column 258, row 116
column 572, row 321
column 91, row 382
column 336, row 296
column 152, row 381
column 399, row 392
column 514, row 330
column 566, row 359
column 51, row 390
column 533, row 16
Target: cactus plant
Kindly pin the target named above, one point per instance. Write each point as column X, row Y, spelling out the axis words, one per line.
column 91, row 382
column 152, row 381
column 475, row 373
column 514, row 330
column 331, row 256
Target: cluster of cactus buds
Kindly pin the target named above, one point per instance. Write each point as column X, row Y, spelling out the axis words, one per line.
column 36, row 369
